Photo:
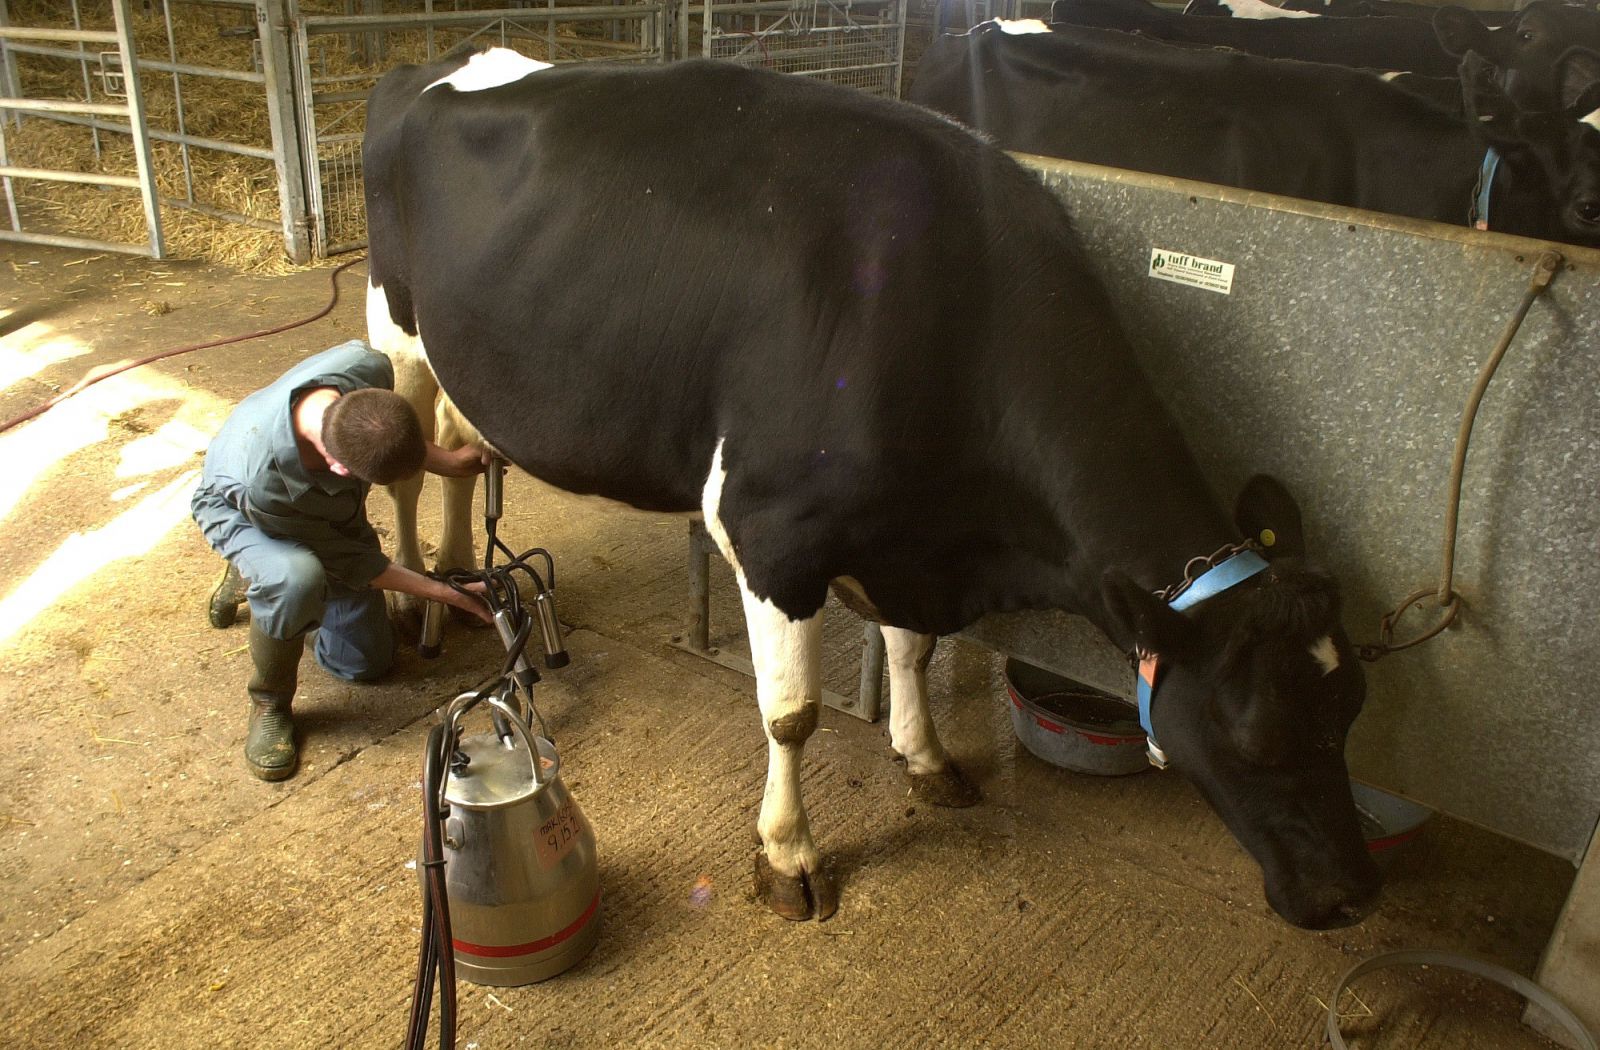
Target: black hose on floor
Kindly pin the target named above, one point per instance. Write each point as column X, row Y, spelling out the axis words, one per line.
column 436, row 958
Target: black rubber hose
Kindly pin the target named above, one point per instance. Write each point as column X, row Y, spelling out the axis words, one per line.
column 436, row 955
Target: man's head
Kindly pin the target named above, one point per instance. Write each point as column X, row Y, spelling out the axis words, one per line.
column 375, row 435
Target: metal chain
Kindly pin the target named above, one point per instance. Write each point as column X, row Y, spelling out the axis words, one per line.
column 1198, row 567
column 1449, row 602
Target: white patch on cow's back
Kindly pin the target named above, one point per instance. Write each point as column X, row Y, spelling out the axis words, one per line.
column 1260, row 9
column 1326, row 654
column 1392, row 76
column 1020, row 26
column 1593, row 120
column 490, row 69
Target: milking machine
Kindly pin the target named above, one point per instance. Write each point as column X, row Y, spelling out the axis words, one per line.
column 510, row 884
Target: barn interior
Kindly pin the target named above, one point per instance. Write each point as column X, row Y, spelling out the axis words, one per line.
column 156, row 895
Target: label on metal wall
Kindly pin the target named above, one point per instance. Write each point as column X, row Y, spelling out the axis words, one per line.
column 1209, row 274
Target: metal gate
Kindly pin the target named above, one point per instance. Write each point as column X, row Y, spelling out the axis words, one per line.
column 857, row 43
column 117, row 76
column 251, row 112
column 207, row 85
column 341, row 56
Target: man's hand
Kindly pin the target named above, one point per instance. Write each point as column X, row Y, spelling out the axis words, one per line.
column 463, row 462
column 398, row 578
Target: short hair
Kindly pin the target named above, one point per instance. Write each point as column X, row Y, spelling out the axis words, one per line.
column 375, row 433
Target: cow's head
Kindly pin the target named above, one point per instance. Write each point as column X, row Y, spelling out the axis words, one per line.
column 1554, row 155
column 1525, row 49
column 1258, row 688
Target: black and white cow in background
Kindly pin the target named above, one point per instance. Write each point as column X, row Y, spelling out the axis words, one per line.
column 864, row 345
column 1527, row 50
column 1301, row 129
column 1371, row 43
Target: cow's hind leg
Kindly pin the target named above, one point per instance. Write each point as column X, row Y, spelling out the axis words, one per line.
column 414, row 381
column 790, row 876
column 934, row 778
column 456, row 536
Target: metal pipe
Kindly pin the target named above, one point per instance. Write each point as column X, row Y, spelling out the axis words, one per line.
column 165, row 136
column 326, row 24
column 53, row 175
column 151, row 64
column 87, row 36
column 62, row 105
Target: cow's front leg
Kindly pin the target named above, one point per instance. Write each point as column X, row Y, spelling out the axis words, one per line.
column 789, row 877
column 934, row 778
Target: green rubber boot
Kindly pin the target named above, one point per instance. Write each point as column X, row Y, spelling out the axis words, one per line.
column 269, row 748
column 223, row 609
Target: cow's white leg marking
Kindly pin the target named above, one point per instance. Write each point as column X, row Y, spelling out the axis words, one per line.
column 1326, row 654
column 911, row 729
column 414, row 381
column 787, row 658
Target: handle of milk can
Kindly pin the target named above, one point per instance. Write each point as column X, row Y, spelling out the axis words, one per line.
column 464, row 703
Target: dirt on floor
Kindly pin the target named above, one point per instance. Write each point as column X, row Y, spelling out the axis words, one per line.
column 152, row 894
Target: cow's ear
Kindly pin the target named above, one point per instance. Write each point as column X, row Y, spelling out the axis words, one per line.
column 1266, row 513
column 1140, row 618
column 1578, row 73
column 1460, row 31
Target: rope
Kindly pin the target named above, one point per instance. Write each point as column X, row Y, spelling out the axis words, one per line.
column 1450, row 602
column 95, row 375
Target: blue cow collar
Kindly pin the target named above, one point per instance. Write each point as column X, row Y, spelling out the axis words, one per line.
column 1235, row 570
column 1478, row 217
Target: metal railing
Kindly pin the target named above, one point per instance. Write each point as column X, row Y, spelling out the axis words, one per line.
column 18, row 39
column 341, row 57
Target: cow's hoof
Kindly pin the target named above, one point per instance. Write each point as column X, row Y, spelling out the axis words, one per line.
column 405, row 613
column 946, row 788
column 796, row 897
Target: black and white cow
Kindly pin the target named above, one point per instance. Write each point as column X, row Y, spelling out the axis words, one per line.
column 1527, row 50
column 863, row 344
column 1370, row 43
column 1384, row 8
column 1301, row 129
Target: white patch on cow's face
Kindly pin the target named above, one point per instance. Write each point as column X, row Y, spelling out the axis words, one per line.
column 1326, row 654
column 1593, row 120
column 489, row 69
column 1021, row 26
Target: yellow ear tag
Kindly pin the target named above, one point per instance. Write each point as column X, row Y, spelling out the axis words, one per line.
column 1268, row 537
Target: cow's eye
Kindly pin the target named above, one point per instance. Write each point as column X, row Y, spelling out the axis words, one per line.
column 1525, row 36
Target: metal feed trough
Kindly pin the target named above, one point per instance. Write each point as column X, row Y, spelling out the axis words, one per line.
column 1336, row 349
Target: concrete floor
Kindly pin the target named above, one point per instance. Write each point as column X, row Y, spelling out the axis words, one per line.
column 155, row 895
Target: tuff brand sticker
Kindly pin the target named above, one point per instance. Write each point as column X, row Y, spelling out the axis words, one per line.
column 1211, row 274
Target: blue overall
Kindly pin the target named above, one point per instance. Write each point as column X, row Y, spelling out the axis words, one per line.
column 301, row 538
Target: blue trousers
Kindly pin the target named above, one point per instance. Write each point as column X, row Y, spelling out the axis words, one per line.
column 290, row 593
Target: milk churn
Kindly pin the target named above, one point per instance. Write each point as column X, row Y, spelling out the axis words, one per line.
column 520, row 864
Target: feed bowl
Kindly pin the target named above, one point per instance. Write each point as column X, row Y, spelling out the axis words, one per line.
column 1388, row 821
column 1073, row 726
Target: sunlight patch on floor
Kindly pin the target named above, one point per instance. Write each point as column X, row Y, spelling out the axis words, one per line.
column 33, row 348
column 67, row 447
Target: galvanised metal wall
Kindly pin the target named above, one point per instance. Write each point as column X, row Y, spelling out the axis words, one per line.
column 1340, row 362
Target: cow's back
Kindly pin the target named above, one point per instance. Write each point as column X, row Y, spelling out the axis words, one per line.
column 1375, row 43
column 679, row 255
